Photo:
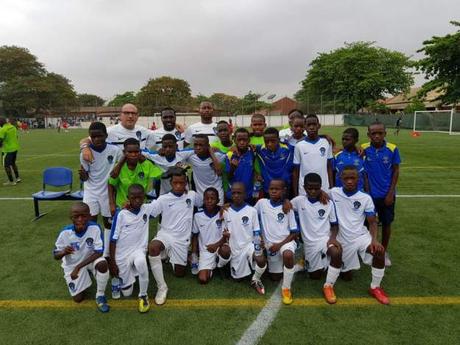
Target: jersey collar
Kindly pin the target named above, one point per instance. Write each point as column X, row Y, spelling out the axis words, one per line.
column 276, row 204
column 312, row 200
column 308, row 140
column 349, row 193
column 177, row 194
column 80, row 234
column 237, row 209
column 98, row 149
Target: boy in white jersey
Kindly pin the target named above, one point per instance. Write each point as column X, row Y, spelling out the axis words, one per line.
column 242, row 224
column 175, row 230
column 80, row 248
column 279, row 231
column 319, row 227
column 96, row 175
column 312, row 155
column 128, row 246
column 353, row 207
column 208, row 235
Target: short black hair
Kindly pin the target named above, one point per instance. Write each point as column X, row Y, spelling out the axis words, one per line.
column 296, row 111
column 97, row 126
column 349, row 168
column 201, row 136
column 312, row 178
column 222, row 122
column 376, row 123
column 167, row 109
column 312, row 116
column 136, row 187
column 169, row 136
column 174, row 171
column 131, row 141
column 353, row 132
column 241, row 130
column 259, row 116
column 272, row 130
column 212, row 190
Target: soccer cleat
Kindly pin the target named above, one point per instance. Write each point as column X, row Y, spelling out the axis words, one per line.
column 287, row 296
column 160, row 297
column 257, row 284
column 102, row 305
column 387, row 260
column 18, row 180
column 329, row 294
column 379, row 295
column 300, row 265
column 144, row 305
column 9, row 183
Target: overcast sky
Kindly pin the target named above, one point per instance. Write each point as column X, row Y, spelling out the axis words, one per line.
column 107, row 47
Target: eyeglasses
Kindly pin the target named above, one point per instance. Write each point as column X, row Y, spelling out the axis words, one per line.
column 129, row 112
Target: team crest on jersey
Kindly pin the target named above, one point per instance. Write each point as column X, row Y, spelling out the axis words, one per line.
column 356, row 162
column 188, row 202
column 321, row 213
column 178, row 135
column 141, row 175
column 144, row 218
column 356, row 205
column 245, row 220
column 280, row 217
column 219, row 224
column 110, row 159
column 139, row 135
column 72, row 287
column 75, row 245
column 386, row 159
column 322, row 151
column 89, row 242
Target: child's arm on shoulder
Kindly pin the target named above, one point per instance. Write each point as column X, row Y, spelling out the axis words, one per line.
column 116, row 170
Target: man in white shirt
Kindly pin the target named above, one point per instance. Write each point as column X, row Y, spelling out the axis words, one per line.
column 168, row 118
column 206, row 126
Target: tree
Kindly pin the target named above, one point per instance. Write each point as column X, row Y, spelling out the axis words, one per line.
column 251, row 103
column 354, row 76
column 442, row 66
column 88, row 100
column 416, row 104
column 163, row 92
column 120, row 99
column 18, row 62
column 226, row 103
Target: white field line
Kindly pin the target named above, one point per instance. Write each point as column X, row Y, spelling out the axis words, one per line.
column 257, row 329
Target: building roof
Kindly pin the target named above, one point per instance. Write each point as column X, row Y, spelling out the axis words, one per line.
column 401, row 101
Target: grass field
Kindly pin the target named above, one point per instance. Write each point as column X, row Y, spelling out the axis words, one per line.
column 424, row 281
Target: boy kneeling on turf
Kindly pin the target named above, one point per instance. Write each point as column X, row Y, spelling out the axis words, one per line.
column 245, row 245
column 353, row 207
column 128, row 246
column 80, row 247
column 279, row 232
column 207, row 235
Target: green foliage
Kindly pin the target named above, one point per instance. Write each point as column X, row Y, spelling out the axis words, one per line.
column 355, row 75
column 18, row 62
column 121, row 99
column 251, row 103
column 442, row 66
column 163, row 92
column 227, row 103
column 88, row 100
column 416, row 104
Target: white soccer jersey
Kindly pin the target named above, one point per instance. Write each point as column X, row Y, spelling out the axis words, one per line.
column 204, row 175
column 285, row 136
column 275, row 224
column 200, row 128
column 351, row 212
column 315, row 218
column 118, row 134
column 177, row 213
column 84, row 244
column 156, row 136
column 164, row 164
column 130, row 231
column 99, row 172
column 208, row 227
column 292, row 141
column 312, row 157
column 241, row 223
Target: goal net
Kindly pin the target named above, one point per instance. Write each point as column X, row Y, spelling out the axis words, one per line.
column 441, row 121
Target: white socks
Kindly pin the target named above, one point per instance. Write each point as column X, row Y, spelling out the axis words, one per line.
column 143, row 270
column 106, row 243
column 332, row 275
column 157, row 270
column 288, row 275
column 101, row 282
column 377, row 276
column 258, row 272
column 222, row 262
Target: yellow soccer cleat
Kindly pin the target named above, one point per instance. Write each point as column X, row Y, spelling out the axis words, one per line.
column 287, row 296
column 144, row 305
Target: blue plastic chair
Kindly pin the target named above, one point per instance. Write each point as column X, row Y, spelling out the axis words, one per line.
column 78, row 195
column 55, row 177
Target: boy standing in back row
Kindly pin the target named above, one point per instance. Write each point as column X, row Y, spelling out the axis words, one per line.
column 381, row 162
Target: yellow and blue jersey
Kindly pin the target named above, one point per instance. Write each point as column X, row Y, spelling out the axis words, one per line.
column 378, row 163
column 345, row 158
column 275, row 165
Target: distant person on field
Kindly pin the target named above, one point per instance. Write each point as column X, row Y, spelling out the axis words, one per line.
column 80, row 247
column 381, row 162
column 10, row 146
column 206, row 126
column 398, row 124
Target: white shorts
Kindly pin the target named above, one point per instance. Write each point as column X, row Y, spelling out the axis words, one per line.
column 208, row 261
column 100, row 206
column 242, row 261
column 275, row 261
column 128, row 270
column 316, row 254
column 351, row 250
column 83, row 280
column 176, row 251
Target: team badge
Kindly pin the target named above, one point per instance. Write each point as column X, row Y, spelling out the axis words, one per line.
column 110, row 159
column 280, row 217
column 245, row 220
column 178, row 135
column 139, row 135
column 144, row 218
column 89, row 242
column 321, row 213
column 356, row 162
column 188, row 202
column 75, row 245
column 386, row 159
column 219, row 224
column 356, row 205
column 141, row 175
column 322, row 151
column 72, row 287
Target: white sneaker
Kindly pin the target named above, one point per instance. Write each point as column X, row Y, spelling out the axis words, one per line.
column 160, row 297
column 18, row 180
column 387, row 260
column 9, row 183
